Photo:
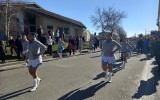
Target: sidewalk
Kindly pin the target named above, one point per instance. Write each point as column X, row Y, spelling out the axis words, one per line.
column 15, row 62
column 149, row 88
column 46, row 58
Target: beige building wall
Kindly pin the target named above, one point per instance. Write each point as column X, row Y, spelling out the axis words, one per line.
column 45, row 21
column 86, row 34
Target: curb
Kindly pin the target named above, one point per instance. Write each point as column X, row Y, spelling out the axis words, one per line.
column 54, row 56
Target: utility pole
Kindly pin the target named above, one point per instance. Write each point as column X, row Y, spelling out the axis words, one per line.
column 158, row 19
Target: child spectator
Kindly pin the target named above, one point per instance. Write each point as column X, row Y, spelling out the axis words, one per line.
column 71, row 46
column 60, row 47
column 49, row 43
column 12, row 44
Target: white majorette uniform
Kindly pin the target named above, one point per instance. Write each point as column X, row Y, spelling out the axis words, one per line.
column 35, row 50
column 125, row 47
column 109, row 48
column 60, row 45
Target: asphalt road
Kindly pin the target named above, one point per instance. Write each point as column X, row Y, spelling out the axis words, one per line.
column 81, row 77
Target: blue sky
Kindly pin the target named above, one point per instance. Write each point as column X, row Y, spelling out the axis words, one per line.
column 141, row 14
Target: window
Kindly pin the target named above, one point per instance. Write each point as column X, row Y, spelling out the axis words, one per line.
column 32, row 28
column 66, row 31
column 49, row 27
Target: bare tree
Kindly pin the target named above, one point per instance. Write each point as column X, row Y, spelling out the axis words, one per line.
column 9, row 14
column 107, row 19
column 121, row 32
column 99, row 19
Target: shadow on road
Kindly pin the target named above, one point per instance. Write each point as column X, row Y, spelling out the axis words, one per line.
column 100, row 75
column 144, row 59
column 14, row 94
column 116, row 68
column 96, row 56
column 148, row 87
column 154, row 63
column 2, row 70
column 148, row 57
column 78, row 94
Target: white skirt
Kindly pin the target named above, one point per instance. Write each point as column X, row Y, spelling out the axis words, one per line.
column 35, row 63
column 108, row 60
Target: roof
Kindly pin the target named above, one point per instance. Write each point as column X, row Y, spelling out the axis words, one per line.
column 35, row 8
column 26, row 4
column 42, row 11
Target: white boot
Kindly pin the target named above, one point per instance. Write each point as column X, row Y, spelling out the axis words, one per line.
column 38, row 81
column 110, row 77
column 106, row 76
column 60, row 56
column 34, row 85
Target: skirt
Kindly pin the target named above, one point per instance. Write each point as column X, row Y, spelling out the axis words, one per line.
column 35, row 63
column 60, row 49
column 108, row 60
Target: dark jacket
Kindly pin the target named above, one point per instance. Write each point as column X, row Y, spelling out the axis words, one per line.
column 156, row 49
column 140, row 43
column 12, row 43
column 39, row 31
column 19, row 44
column 2, row 48
column 43, row 40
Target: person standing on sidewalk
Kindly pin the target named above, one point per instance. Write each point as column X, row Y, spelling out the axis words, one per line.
column 140, row 45
column 12, row 45
column 40, row 32
column 35, row 52
column 131, row 48
column 151, row 45
column 25, row 44
column 81, row 44
column 77, row 42
column 3, row 51
column 145, row 45
column 156, row 51
column 60, row 47
column 50, row 43
column 91, row 44
column 43, row 40
column 19, row 47
column 71, row 46
column 109, row 48
column 57, row 35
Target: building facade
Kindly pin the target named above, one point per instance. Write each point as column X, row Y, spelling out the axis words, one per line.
column 87, row 35
column 33, row 16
